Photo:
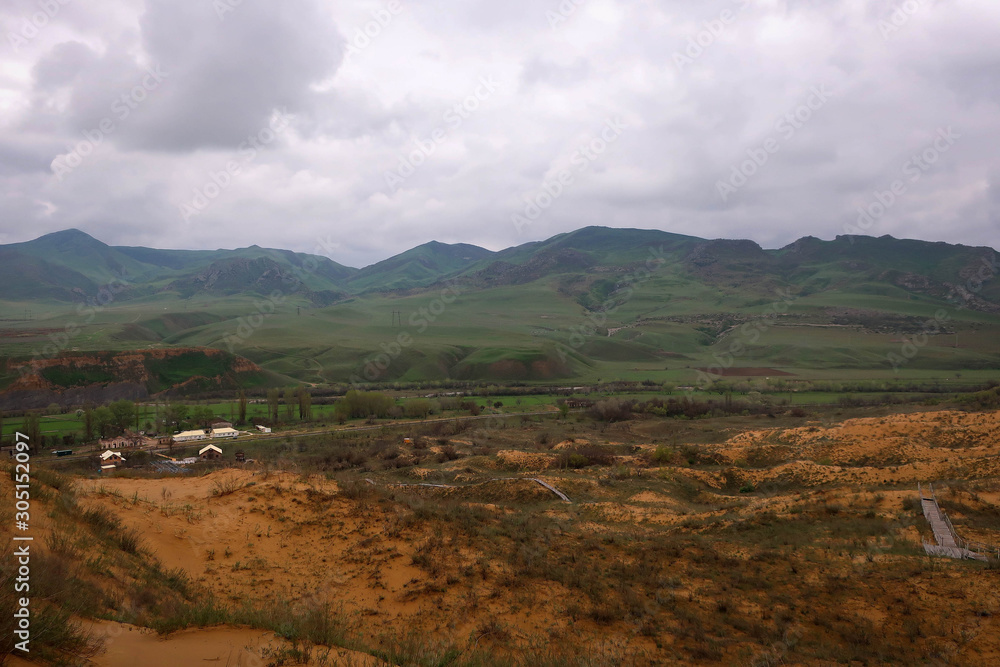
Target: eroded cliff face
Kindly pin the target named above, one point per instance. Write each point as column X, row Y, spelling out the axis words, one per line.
column 98, row 377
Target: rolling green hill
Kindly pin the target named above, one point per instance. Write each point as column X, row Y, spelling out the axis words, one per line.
column 594, row 303
column 26, row 277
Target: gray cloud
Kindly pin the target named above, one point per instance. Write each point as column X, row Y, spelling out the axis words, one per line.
column 60, row 66
column 226, row 77
column 354, row 120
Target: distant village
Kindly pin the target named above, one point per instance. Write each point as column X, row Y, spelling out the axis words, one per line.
column 114, row 449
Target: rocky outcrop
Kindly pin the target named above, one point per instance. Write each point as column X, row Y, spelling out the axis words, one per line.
column 99, row 377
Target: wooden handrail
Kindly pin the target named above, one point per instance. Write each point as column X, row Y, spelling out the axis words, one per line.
column 966, row 546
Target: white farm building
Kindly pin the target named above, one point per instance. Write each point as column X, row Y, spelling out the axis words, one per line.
column 188, row 436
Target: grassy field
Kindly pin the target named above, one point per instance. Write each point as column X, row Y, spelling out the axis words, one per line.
column 771, row 395
column 534, row 332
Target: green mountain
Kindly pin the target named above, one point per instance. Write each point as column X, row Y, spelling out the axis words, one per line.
column 594, row 303
column 418, row 267
column 76, row 251
column 73, row 266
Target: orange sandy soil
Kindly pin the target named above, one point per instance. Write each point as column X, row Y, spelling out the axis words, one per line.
column 291, row 538
column 124, row 645
column 300, row 540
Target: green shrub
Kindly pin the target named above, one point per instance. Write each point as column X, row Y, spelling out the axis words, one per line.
column 663, row 455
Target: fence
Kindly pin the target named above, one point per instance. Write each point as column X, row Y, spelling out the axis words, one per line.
column 950, row 543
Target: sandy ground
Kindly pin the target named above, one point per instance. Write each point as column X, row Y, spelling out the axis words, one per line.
column 251, row 537
column 127, row 646
column 280, row 537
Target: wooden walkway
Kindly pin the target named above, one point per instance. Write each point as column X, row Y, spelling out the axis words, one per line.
column 948, row 542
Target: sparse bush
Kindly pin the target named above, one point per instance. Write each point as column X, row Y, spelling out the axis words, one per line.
column 225, row 487
column 611, row 410
column 448, row 453
column 663, row 455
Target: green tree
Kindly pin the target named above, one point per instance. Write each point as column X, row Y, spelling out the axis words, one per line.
column 305, row 404
column 366, row 404
column 290, row 402
column 202, row 415
column 175, row 416
column 243, row 407
column 124, row 414
column 341, row 412
column 563, row 410
column 273, row 397
column 88, row 424
column 417, row 408
column 32, row 428
column 104, row 421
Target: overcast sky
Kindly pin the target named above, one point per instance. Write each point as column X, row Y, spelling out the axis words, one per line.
column 360, row 129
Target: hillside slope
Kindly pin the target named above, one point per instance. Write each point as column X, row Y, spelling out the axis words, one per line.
column 594, row 303
column 99, row 377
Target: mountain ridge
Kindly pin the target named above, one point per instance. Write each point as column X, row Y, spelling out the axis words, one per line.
column 70, row 265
